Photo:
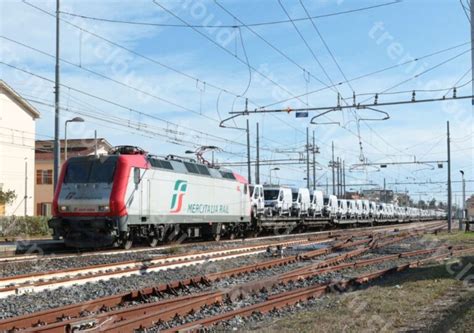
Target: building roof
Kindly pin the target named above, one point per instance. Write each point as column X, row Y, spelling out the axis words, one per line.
column 14, row 96
column 75, row 147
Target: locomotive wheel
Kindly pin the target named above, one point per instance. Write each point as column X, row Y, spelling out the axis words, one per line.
column 126, row 244
column 153, row 241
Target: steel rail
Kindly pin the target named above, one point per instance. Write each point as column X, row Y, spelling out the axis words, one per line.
column 134, row 265
column 303, row 294
column 48, row 317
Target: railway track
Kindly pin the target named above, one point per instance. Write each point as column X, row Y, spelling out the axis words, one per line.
column 75, row 276
column 36, row 282
column 298, row 295
column 121, row 313
column 26, row 283
column 65, row 253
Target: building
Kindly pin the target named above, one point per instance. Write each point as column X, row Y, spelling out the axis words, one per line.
column 378, row 195
column 470, row 208
column 44, row 166
column 17, row 151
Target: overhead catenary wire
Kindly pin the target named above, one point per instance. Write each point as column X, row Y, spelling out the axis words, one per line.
column 220, row 91
column 220, row 26
column 426, row 71
column 376, row 102
column 127, row 108
column 278, row 50
column 138, row 54
column 285, row 56
column 124, row 122
column 465, row 10
column 140, row 129
column 370, row 74
column 455, row 85
column 328, row 49
column 333, row 86
column 82, row 67
column 244, row 50
column 310, row 49
column 225, row 49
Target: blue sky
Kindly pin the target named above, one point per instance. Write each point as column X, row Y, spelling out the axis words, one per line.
column 361, row 42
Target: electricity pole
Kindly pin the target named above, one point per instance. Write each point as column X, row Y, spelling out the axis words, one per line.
column 333, row 175
column 307, row 158
column 463, row 216
column 26, row 188
column 257, row 167
column 384, row 191
column 471, row 6
column 449, row 180
column 57, row 147
column 314, row 164
column 339, row 165
column 338, row 178
column 344, row 177
column 249, row 170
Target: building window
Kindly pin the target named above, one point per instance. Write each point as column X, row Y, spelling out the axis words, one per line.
column 44, row 209
column 44, row 177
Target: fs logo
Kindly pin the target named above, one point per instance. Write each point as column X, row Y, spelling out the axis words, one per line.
column 180, row 188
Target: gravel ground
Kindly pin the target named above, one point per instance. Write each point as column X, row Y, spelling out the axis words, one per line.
column 238, row 323
column 23, row 304
column 409, row 244
column 28, row 303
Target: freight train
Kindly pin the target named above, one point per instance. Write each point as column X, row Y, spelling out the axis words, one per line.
column 114, row 199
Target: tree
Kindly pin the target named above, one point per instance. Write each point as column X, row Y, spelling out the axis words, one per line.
column 422, row 204
column 432, row 203
column 7, row 197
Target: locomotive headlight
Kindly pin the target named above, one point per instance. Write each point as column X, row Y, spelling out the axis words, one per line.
column 105, row 208
column 63, row 208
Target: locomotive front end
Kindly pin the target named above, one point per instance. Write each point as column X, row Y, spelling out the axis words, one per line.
column 85, row 213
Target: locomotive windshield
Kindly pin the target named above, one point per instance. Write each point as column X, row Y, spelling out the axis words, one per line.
column 271, row 194
column 87, row 170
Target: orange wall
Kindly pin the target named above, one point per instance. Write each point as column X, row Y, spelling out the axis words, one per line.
column 43, row 193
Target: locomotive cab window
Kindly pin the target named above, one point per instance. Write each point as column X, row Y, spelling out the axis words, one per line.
column 136, row 176
column 87, row 170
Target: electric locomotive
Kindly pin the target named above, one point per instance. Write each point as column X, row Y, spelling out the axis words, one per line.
column 113, row 199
